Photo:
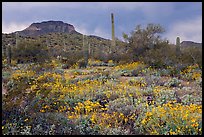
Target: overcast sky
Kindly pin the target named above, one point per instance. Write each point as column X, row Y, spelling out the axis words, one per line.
column 182, row 19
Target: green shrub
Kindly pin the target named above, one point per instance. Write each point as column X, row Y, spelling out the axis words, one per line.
column 69, row 58
column 174, row 82
column 84, row 127
column 30, row 51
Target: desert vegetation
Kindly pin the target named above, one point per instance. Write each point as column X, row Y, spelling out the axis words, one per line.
column 144, row 86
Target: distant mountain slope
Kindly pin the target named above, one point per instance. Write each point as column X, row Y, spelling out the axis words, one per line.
column 56, row 35
column 53, row 33
column 36, row 29
column 190, row 43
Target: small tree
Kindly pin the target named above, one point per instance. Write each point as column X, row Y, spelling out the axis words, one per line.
column 142, row 40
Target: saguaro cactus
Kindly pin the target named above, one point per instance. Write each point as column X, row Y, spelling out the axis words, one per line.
column 3, row 50
column 8, row 54
column 17, row 39
column 178, row 46
column 85, row 50
column 89, row 50
column 113, row 32
column 64, row 42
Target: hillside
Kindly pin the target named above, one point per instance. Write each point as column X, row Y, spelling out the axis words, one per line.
column 56, row 35
column 52, row 33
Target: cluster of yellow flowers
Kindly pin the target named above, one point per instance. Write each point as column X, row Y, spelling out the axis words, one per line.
column 196, row 75
column 180, row 118
column 87, row 107
column 96, row 113
column 47, row 82
column 51, row 108
column 128, row 66
column 18, row 74
column 190, row 68
column 192, row 72
column 110, row 61
column 55, row 63
column 91, row 61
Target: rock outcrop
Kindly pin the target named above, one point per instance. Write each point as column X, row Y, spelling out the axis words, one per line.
column 36, row 29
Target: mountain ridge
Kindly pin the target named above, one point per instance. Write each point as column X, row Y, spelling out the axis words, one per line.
column 45, row 27
column 190, row 43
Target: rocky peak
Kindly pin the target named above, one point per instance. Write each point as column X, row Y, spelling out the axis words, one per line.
column 45, row 27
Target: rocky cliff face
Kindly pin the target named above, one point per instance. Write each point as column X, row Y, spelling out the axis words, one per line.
column 36, row 29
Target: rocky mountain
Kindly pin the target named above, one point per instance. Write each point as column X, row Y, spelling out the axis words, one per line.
column 56, row 35
column 36, row 29
column 190, row 43
column 53, row 33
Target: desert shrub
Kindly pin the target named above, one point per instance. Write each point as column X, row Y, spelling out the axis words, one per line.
column 192, row 55
column 69, row 58
column 65, row 66
column 192, row 72
column 137, row 71
column 115, row 56
column 51, row 124
column 147, row 91
column 174, row 82
column 121, row 105
column 92, row 62
column 5, row 76
column 16, row 88
column 152, row 80
column 138, row 81
column 115, row 131
column 82, row 63
column 84, row 126
column 106, row 74
column 12, row 121
column 161, row 56
column 188, row 56
column 30, row 51
column 171, row 119
column 110, row 63
column 102, row 56
column 37, row 124
column 143, row 39
column 125, row 58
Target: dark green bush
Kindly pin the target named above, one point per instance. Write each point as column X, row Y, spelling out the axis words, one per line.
column 30, row 51
column 69, row 58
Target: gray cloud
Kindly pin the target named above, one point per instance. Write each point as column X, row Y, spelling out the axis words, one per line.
column 13, row 26
column 94, row 17
column 190, row 29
